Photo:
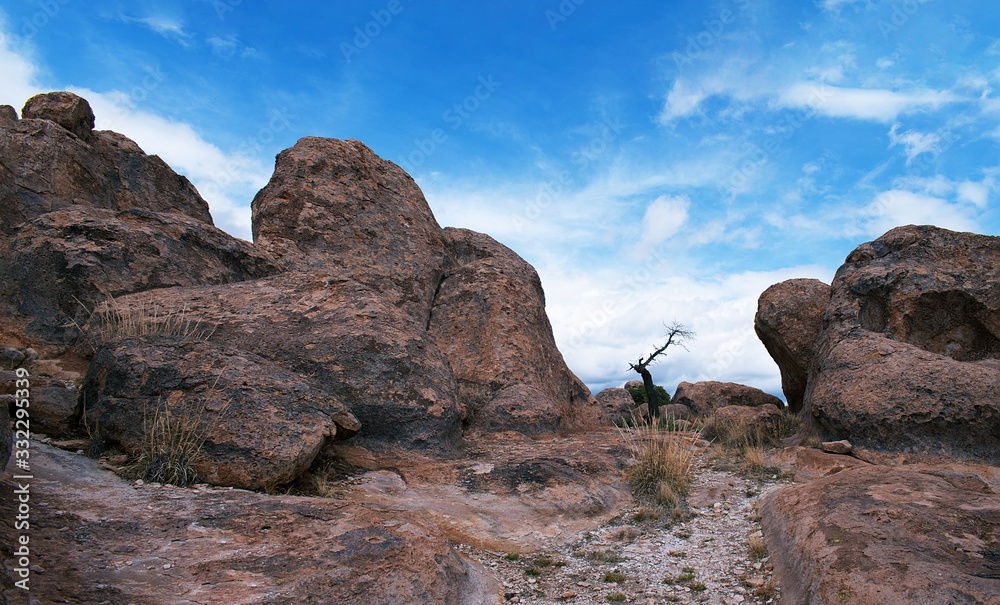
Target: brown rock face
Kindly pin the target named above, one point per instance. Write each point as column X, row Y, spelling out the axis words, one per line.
column 617, row 403
column 87, row 214
column 228, row 546
column 262, row 425
column 65, row 109
column 337, row 204
column 910, row 358
column 706, row 396
column 788, row 321
column 887, row 536
column 489, row 319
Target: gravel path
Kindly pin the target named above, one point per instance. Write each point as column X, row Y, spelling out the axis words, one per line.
column 704, row 559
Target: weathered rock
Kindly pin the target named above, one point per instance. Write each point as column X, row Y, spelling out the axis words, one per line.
column 10, row 358
column 806, row 464
column 617, row 403
column 262, row 425
column 8, row 113
column 65, row 109
column 368, row 354
column 489, row 319
column 788, row 321
column 675, row 410
column 120, row 543
column 520, row 408
column 45, row 168
column 65, row 263
column 740, row 424
column 337, row 204
column 910, row 357
column 55, row 406
column 633, row 384
column 887, row 536
column 706, row 396
column 837, row 447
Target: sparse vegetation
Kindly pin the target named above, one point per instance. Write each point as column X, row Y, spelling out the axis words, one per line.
column 662, row 458
column 697, row 587
column 756, row 548
column 113, row 320
column 616, row 597
column 639, row 395
column 614, row 576
column 172, row 443
column 512, row 556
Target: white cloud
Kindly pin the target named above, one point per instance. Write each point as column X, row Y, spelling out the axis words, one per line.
column 663, row 219
column 861, row 103
column 915, row 143
column 898, row 207
column 834, row 5
column 168, row 27
column 977, row 194
column 227, row 180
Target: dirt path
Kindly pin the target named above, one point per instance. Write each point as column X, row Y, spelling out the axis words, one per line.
column 704, row 559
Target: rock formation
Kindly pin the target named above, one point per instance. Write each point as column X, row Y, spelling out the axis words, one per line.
column 709, row 395
column 352, row 296
column 883, row 536
column 908, row 358
column 788, row 321
column 617, row 403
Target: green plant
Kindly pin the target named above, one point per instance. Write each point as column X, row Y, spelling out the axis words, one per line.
column 512, row 556
column 639, row 395
column 697, row 587
column 614, row 576
column 687, row 574
column 616, row 597
column 533, row 572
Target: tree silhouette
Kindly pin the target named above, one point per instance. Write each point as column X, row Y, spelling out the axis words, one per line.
column 676, row 335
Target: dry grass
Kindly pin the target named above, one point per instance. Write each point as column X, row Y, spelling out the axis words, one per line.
column 662, row 457
column 172, row 443
column 113, row 320
column 756, row 548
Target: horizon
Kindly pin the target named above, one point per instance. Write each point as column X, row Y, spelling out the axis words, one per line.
column 653, row 163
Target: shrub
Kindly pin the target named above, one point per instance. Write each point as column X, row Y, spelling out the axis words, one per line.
column 662, row 458
column 171, row 444
column 756, row 548
column 639, row 395
column 614, row 576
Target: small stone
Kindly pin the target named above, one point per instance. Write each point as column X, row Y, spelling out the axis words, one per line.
column 837, row 447
column 569, row 594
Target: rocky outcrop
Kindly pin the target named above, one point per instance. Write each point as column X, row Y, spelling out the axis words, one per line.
column 258, row 425
column 367, row 353
column 788, row 321
column 86, row 215
column 122, row 543
column 617, row 403
column 336, row 204
column 489, row 319
column 910, row 358
column 707, row 396
column 742, row 425
column 887, row 536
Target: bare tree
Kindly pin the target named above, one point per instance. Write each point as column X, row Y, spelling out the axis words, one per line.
column 676, row 335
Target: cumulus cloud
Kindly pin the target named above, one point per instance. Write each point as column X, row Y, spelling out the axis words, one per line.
column 897, row 207
column 861, row 103
column 664, row 217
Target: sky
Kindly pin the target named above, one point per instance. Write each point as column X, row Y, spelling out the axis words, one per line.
column 657, row 162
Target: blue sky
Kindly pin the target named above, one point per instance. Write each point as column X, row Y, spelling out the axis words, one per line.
column 656, row 162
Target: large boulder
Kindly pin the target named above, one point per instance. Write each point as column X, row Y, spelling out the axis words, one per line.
column 366, row 352
column 336, row 204
column 616, row 402
column 887, row 536
column 86, row 215
column 707, row 396
column 910, row 357
column 489, row 319
column 261, row 425
column 788, row 321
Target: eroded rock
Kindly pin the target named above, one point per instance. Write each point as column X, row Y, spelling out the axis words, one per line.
column 709, row 395
column 261, row 426
column 788, row 321
column 887, row 536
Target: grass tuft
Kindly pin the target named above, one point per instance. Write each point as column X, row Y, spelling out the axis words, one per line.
column 662, row 456
column 172, row 443
column 113, row 320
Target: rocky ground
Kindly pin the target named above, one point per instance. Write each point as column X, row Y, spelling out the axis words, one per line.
column 639, row 557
